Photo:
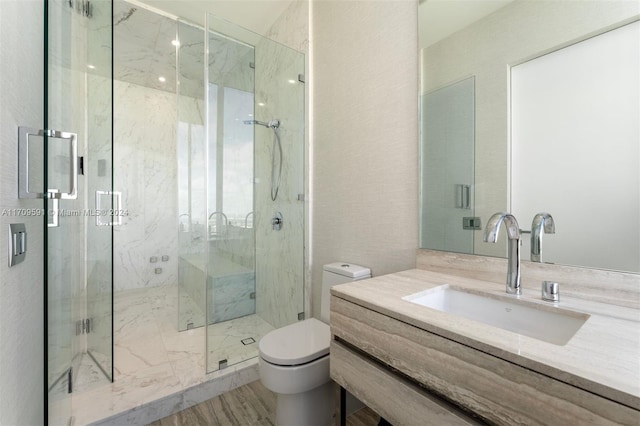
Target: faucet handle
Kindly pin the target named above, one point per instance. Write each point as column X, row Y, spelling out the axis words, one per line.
column 550, row 291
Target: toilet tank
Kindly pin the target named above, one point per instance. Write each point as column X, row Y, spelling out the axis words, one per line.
column 338, row 273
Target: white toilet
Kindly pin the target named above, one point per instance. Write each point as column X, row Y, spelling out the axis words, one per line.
column 294, row 360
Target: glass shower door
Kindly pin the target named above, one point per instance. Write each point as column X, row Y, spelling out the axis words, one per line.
column 192, row 238
column 80, row 207
column 101, row 199
column 255, row 172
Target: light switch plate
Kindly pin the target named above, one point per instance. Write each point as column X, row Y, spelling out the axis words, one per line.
column 472, row 223
column 17, row 243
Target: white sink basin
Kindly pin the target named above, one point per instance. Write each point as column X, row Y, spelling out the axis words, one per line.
column 548, row 323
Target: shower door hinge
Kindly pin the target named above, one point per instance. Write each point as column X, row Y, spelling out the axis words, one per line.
column 300, row 316
column 82, row 7
column 81, row 165
column 84, row 326
column 70, row 380
column 252, row 65
column 301, row 78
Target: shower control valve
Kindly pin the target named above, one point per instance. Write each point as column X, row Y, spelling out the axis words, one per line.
column 276, row 221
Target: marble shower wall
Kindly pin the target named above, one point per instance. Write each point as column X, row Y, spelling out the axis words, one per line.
column 145, row 231
column 145, row 173
column 280, row 255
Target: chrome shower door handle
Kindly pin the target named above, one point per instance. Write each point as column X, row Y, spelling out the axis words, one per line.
column 55, row 210
column 73, row 162
column 467, row 197
column 115, row 211
column 23, row 162
column 463, row 196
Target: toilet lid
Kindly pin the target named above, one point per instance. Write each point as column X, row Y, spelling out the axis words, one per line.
column 296, row 344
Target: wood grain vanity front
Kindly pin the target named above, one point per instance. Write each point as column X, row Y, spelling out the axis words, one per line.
column 395, row 398
column 491, row 385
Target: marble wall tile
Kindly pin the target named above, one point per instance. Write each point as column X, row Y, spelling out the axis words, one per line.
column 143, row 50
column 292, row 30
column 230, row 296
column 230, row 63
column 279, row 254
column 145, row 172
column 292, row 27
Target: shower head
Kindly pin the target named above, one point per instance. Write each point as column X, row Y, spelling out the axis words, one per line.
column 274, row 124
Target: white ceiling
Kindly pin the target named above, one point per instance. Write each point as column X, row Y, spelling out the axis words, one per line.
column 255, row 15
column 438, row 19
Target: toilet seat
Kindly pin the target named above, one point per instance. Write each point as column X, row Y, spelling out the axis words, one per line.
column 296, row 344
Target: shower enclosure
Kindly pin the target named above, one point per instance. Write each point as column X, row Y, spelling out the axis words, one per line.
column 173, row 179
column 241, row 186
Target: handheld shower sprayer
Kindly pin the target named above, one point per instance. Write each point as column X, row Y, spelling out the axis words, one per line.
column 272, row 124
column 276, row 154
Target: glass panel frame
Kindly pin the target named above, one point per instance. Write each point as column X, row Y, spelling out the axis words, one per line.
column 78, row 270
column 278, row 256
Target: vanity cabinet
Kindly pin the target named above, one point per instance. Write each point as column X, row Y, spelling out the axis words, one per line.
column 412, row 376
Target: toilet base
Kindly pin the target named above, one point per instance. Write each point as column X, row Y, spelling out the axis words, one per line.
column 315, row 407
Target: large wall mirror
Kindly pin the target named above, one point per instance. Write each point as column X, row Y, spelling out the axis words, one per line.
column 528, row 107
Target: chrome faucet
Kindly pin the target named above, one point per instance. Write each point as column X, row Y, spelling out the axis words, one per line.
column 541, row 221
column 513, row 234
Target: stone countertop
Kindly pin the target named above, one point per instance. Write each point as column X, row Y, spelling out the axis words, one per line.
column 603, row 357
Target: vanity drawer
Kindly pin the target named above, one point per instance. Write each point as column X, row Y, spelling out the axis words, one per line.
column 396, row 399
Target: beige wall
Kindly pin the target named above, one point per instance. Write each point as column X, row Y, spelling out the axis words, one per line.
column 364, row 131
column 21, row 287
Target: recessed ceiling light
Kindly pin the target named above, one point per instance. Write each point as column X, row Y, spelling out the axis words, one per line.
column 292, row 81
column 91, row 67
column 250, row 115
column 261, row 103
column 161, row 79
column 176, row 43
